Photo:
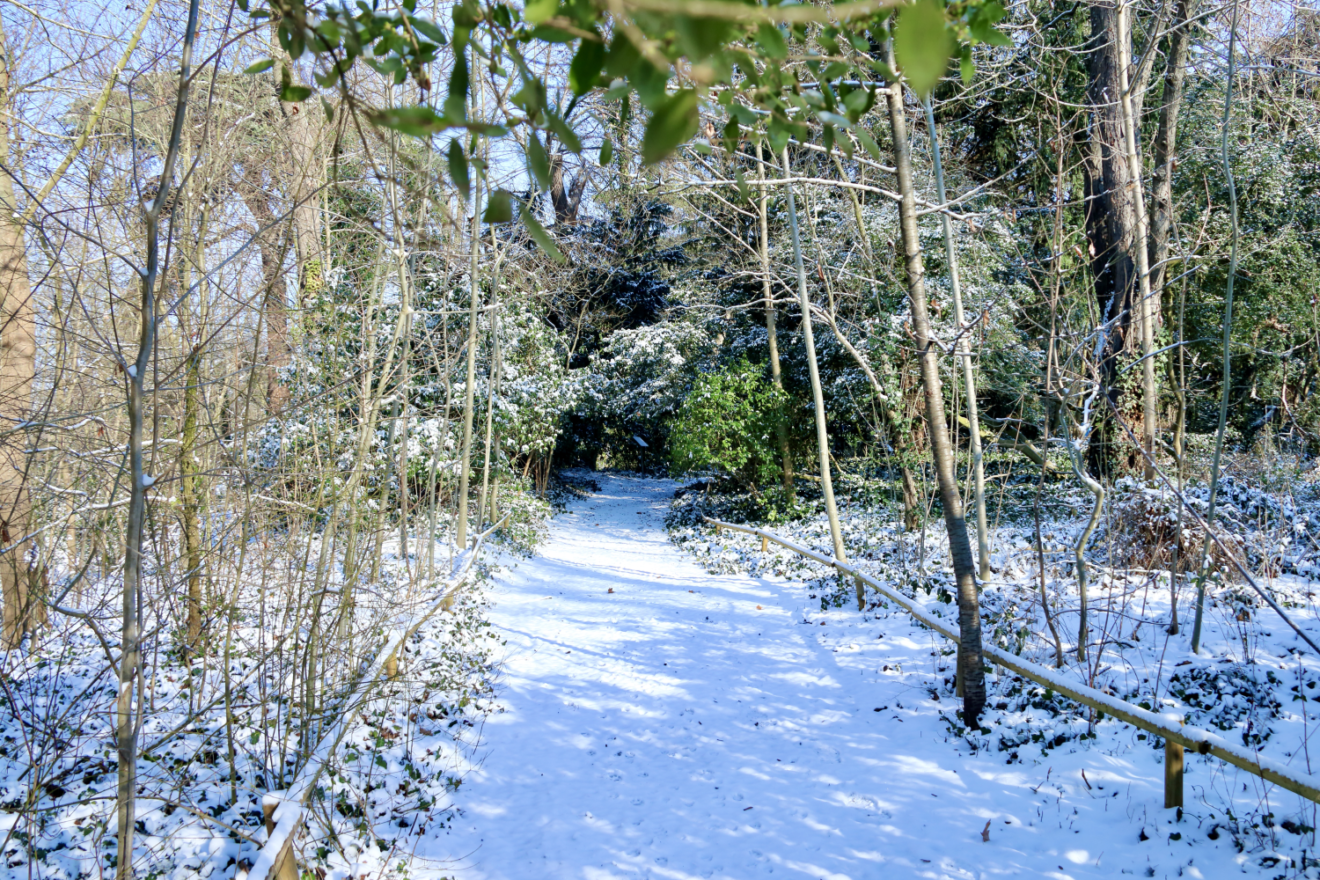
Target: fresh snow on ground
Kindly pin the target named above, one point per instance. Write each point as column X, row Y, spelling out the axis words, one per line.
column 664, row 722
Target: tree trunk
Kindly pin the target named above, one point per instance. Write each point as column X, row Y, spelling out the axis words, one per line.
column 565, row 201
column 965, row 350
column 130, row 671
column 23, row 608
column 1166, row 145
column 492, row 388
column 1110, row 213
column 893, row 423
column 1145, row 305
column 305, row 178
column 465, row 463
column 818, row 396
column 960, row 548
column 272, row 245
column 771, row 331
column 190, row 494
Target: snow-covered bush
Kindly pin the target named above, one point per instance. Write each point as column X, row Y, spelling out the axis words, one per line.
column 638, row 382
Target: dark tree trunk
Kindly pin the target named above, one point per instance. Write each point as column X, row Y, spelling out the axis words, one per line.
column 566, row 202
column 1110, row 214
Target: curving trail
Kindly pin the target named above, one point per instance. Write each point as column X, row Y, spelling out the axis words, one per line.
column 692, row 725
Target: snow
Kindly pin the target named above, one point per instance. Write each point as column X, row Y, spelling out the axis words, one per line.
column 691, row 724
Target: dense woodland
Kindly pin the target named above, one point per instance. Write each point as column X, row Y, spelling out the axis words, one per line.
column 302, row 303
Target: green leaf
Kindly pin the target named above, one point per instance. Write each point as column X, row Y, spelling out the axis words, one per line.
column 488, row 129
column 858, row 100
column 420, row 121
column 548, row 34
column 649, row 81
column 833, row 119
column 456, row 102
column 606, row 152
column 743, row 189
column 499, row 208
column 846, row 145
column 771, row 41
column 289, row 93
column 699, row 38
column 294, row 94
column 567, row 136
column 923, row 44
column 261, row 66
column 538, row 161
column 732, row 134
column 673, row 122
column 531, row 97
column 986, row 33
column 622, row 56
column 329, row 31
column 329, row 111
column 458, row 169
column 537, row 11
column 542, row 237
column 966, row 67
column 744, row 115
column 585, row 68
column 430, row 30
column 868, row 142
column 981, row 23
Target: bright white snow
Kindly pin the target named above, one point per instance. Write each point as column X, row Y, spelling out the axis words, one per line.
column 695, row 725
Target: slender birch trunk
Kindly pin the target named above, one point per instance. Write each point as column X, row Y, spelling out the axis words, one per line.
column 1226, row 380
column 465, row 463
column 492, row 383
column 893, row 423
column 818, row 396
column 970, row 666
column 771, row 330
column 1146, row 311
column 1166, row 145
column 127, row 717
column 965, row 356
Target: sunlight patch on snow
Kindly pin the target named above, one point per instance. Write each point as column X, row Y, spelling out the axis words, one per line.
column 806, row 678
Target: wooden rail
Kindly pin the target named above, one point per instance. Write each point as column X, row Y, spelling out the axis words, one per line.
column 1176, row 734
column 285, row 811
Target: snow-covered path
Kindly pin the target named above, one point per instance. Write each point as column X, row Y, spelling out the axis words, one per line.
column 691, row 725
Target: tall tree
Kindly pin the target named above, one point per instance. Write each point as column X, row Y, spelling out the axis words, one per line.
column 18, row 352
column 771, row 317
column 813, row 370
column 1110, row 207
column 1166, row 143
column 960, row 548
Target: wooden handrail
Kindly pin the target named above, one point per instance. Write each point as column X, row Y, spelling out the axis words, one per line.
column 285, row 811
column 1176, row 734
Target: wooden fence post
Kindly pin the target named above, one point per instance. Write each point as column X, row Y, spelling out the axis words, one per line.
column 765, row 543
column 1173, row 774
column 286, row 864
